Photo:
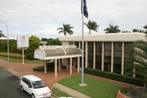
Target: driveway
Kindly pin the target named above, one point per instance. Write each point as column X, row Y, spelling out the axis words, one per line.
column 9, row 87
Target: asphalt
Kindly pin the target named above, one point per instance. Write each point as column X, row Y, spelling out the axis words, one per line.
column 9, row 86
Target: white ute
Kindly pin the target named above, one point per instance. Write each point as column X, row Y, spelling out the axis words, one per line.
column 34, row 86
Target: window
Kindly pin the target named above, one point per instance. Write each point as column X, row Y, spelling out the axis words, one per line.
column 38, row 84
column 24, row 80
column 27, row 82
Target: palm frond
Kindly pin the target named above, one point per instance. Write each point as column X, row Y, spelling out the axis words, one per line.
column 60, row 28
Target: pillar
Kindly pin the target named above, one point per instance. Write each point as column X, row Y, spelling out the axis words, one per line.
column 112, row 56
column 45, row 67
column 94, row 55
column 78, row 64
column 102, row 67
column 86, row 55
column 80, row 45
column 122, row 59
column 70, row 66
column 73, row 43
column 59, row 62
column 55, row 68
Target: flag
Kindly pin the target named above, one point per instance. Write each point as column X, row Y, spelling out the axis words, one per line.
column 84, row 8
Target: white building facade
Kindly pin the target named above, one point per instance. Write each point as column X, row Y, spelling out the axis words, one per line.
column 111, row 52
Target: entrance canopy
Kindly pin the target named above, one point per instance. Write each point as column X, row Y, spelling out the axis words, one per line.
column 57, row 52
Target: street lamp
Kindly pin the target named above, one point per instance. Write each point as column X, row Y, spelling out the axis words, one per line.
column 7, row 38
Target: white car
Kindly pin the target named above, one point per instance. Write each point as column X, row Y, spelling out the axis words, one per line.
column 34, row 86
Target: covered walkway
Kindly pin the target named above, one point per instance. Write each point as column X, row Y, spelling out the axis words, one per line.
column 58, row 54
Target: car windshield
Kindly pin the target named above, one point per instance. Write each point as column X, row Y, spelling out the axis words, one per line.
column 38, row 84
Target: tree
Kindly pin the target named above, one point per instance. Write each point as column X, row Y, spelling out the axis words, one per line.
column 66, row 29
column 140, row 60
column 136, row 30
column 34, row 43
column 1, row 34
column 51, row 41
column 92, row 25
column 112, row 29
column 145, row 27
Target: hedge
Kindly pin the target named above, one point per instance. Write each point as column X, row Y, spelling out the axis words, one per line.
column 114, row 76
column 50, row 67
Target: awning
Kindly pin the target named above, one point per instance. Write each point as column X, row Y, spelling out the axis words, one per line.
column 57, row 52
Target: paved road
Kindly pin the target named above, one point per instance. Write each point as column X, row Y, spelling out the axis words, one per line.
column 9, row 87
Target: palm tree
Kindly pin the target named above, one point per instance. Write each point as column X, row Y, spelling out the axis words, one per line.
column 112, row 29
column 1, row 34
column 92, row 25
column 66, row 29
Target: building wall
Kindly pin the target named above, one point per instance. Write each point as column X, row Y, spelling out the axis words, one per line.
column 107, row 56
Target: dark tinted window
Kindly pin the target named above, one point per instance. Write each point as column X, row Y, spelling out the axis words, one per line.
column 38, row 84
column 27, row 82
column 24, row 80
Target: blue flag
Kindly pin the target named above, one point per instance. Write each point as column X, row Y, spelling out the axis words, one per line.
column 85, row 8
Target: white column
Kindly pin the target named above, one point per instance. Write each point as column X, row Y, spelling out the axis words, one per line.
column 94, row 55
column 23, row 55
column 73, row 43
column 80, row 45
column 78, row 64
column 122, row 59
column 112, row 56
column 45, row 67
column 59, row 62
column 55, row 68
column 86, row 55
column 70, row 66
column 102, row 67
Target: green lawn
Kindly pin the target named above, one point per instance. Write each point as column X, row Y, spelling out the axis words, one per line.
column 94, row 88
column 58, row 93
column 15, row 57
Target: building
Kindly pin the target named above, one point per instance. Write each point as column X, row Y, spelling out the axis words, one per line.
column 59, row 54
column 111, row 52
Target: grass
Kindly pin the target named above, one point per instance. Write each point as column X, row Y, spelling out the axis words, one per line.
column 58, row 93
column 94, row 88
column 17, row 58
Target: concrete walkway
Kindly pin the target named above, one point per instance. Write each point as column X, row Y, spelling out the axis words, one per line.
column 73, row 93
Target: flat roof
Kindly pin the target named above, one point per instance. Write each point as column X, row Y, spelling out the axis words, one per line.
column 118, row 37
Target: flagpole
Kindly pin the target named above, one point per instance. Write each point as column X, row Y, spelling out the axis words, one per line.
column 82, row 37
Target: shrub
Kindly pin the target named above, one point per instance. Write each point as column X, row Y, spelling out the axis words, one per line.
column 34, row 43
column 51, row 41
column 126, row 90
column 12, row 46
column 50, row 67
column 114, row 76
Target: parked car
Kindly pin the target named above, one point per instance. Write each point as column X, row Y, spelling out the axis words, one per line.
column 34, row 86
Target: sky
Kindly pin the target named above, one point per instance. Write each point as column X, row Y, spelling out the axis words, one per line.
column 43, row 17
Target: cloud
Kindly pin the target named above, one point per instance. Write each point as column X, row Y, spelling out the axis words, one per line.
column 33, row 16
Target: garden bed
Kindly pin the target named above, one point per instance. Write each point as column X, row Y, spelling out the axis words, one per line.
column 135, row 92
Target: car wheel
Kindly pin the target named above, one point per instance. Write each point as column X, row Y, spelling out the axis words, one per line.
column 33, row 96
column 21, row 87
